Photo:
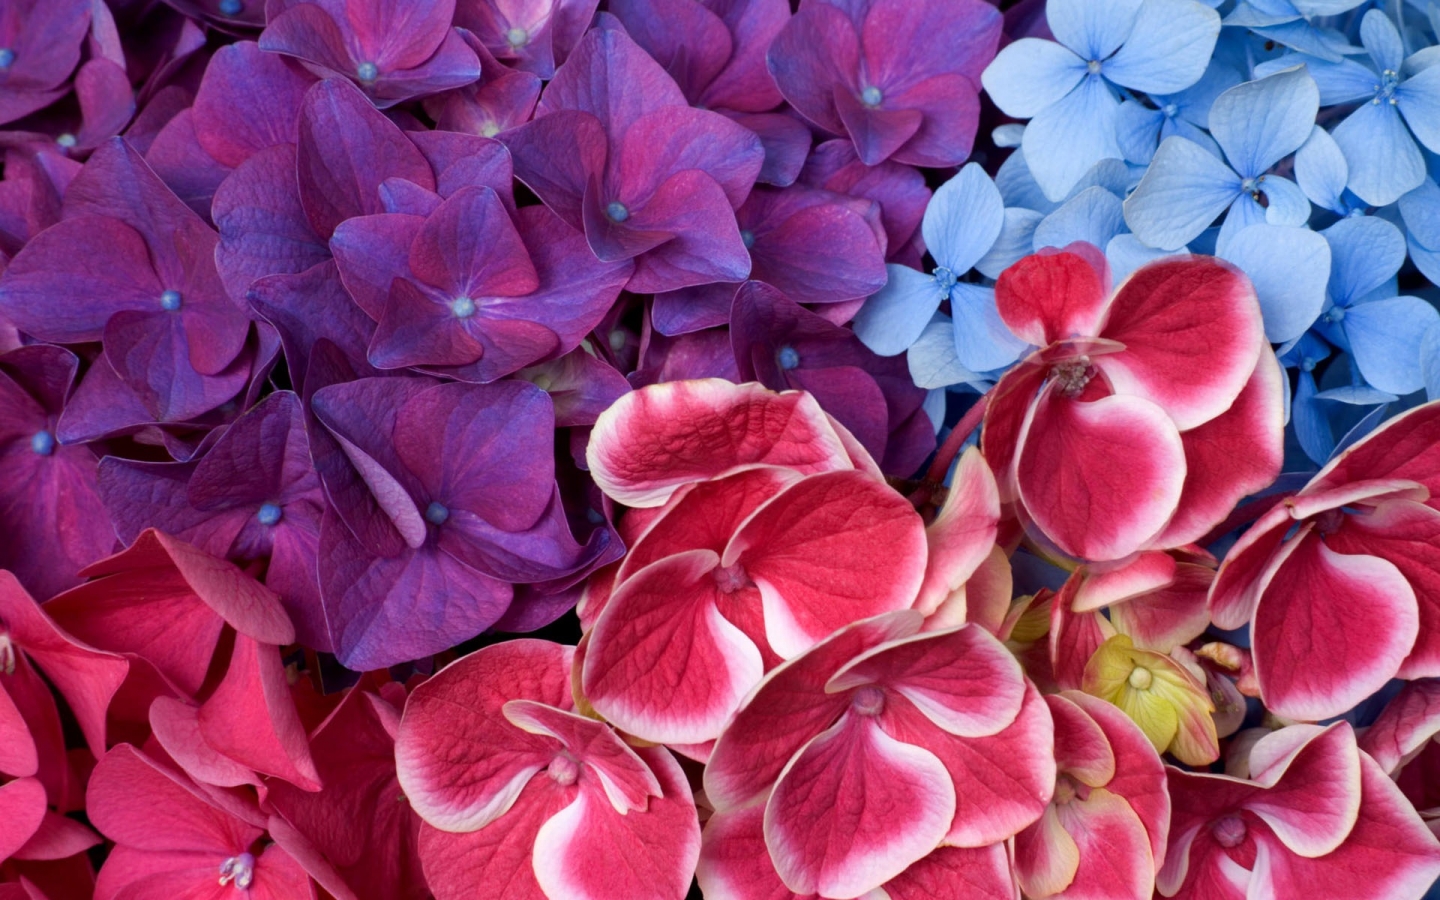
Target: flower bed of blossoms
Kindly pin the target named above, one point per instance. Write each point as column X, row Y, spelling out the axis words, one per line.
column 740, row 449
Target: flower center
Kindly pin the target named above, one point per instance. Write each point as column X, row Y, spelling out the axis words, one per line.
column 517, row 37
column 7, row 654
column 1170, row 110
column 367, row 72
column 564, row 768
column 872, row 96
column 730, row 579
column 269, row 514
column 747, row 237
column 231, row 7
column 7, row 57
column 617, row 211
column 945, row 279
column 170, row 300
column 1141, row 678
column 1229, row 831
column 1072, row 375
column 1335, row 314
column 789, row 358
column 66, row 140
column 43, row 443
column 239, row 869
column 1329, row 521
column 1385, row 90
column 489, row 129
column 868, row 701
column 1067, row 789
column 436, row 513
column 462, row 307
column 1093, row 66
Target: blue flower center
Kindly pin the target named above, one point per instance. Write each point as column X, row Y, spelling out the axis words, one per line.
column 7, row 57
column 1385, row 90
column 43, row 443
column 617, row 211
column 66, row 140
column 789, row 358
column 462, row 307
column 1336, row 314
column 1307, row 364
column 170, row 300
column 269, row 514
column 367, row 72
column 945, row 279
column 231, row 7
column 872, row 96
column 747, row 237
column 436, row 513
column 517, row 37
column 1093, row 66
column 1170, row 110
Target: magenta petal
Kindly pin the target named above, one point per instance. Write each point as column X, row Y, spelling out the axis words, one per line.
column 817, row 52
column 951, row 115
column 262, row 224
column 575, row 849
column 1303, row 608
column 470, row 247
column 1197, row 314
column 901, row 806
column 1100, row 477
column 247, row 101
column 371, row 252
column 663, row 663
column 22, row 810
column 656, row 439
column 788, row 709
column 499, row 855
column 876, row 132
column 815, row 553
column 418, row 328
column 626, row 780
column 707, row 245
column 557, row 156
column 176, row 726
column 461, row 763
column 611, row 78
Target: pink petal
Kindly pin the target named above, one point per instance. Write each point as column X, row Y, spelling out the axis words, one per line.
column 1405, row 726
column 57, row 838
column 734, row 861
column 1046, row 857
column 964, row 681
column 1002, row 782
column 251, row 717
column 1406, row 534
column 1139, row 772
column 135, row 802
column 1082, row 749
column 655, row 439
column 1103, row 587
column 500, row 855
column 1052, row 296
column 17, row 747
column 460, row 763
column 831, row 549
column 1074, row 637
column 576, row 850
column 1389, row 852
column 854, row 809
column 981, row 873
column 1317, row 791
column 1005, row 418
column 789, row 708
column 1406, row 447
column 1236, row 589
column 1099, row 478
column 627, row 782
column 1173, row 615
column 963, row 532
column 1115, row 860
column 1197, row 315
column 1359, row 609
column 22, row 809
column 663, row 663
column 1237, row 453
column 176, row 726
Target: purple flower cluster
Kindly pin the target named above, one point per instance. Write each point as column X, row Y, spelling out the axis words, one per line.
column 334, row 289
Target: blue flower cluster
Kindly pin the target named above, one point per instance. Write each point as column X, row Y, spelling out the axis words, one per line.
column 1298, row 139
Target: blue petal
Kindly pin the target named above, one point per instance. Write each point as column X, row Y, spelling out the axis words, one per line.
column 1065, row 140
column 934, row 407
column 1365, row 252
column 963, row 219
column 1430, row 361
column 1357, row 395
column 1008, row 135
column 1137, row 131
column 893, row 318
column 1320, row 170
column 1169, row 48
column 1312, row 426
column 1418, row 99
column 1017, row 240
column 1193, row 104
column 1289, row 268
column 1420, row 210
column 1383, row 159
column 1030, row 75
column 1094, row 215
column 1342, row 81
column 1260, row 122
column 982, row 342
column 1017, row 186
column 1126, row 253
column 1426, row 260
column 1244, row 212
column 1286, row 203
column 1382, row 41
column 1313, row 8
column 1385, row 339
column 1259, row 13
column 1180, row 195
column 1322, row 43
column 1093, row 30
column 932, row 359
